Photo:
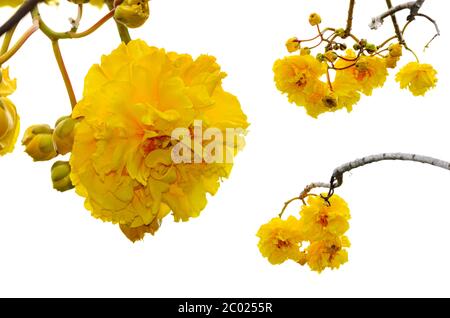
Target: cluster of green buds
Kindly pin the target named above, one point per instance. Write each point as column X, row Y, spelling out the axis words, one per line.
column 43, row 143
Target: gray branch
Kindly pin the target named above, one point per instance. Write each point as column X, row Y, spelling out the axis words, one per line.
column 338, row 174
column 413, row 6
column 312, row 186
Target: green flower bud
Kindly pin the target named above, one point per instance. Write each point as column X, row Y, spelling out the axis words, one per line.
column 79, row 1
column 64, row 134
column 340, row 32
column 60, row 174
column 320, row 57
column 371, row 48
column 38, row 142
column 132, row 13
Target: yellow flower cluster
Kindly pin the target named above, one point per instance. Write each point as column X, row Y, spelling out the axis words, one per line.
column 316, row 239
column 308, row 81
column 122, row 153
column 9, row 119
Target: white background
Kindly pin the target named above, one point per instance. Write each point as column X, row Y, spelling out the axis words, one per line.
column 51, row 246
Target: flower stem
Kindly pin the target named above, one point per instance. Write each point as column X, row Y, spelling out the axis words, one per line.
column 5, row 56
column 65, row 75
column 351, row 8
column 53, row 35
column 7, row 40
column 122, row 29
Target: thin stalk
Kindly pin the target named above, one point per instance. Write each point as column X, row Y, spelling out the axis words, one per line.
column 122, row 29
column 65, row 75
column 8, row 54
column 54, row 36
column 7, row 39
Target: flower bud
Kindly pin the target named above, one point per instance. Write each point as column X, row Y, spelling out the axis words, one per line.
column 371, row 48
column 64, row 134
column 320, row 57
column 314, row 19
column 293, row 45
column 79, row 1
column 60, row 174
column 340, row 32
column 9, row 125
column 395, row 50
column 331, row 56
column 38, row 142
column 132, row 13
column 305, row 51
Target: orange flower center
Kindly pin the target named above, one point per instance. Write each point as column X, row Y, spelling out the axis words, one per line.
column 323, row 220
column 283, row 244
column 154, row 143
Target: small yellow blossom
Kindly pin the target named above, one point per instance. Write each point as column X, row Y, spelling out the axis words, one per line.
column 314, row 19
column 329, row 253
column 321, row 219
column 280, row 240
column 418, row 78
column 364, row 74
column 293, row 45
column 298, row 76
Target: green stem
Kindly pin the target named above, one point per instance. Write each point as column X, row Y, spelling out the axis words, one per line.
column 65, row 75
column 7, row 39
column 9, row 53
column 123, row 30
column 123, row 33
column 54, row 36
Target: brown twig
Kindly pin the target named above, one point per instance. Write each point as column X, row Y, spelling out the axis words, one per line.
column 348, row 29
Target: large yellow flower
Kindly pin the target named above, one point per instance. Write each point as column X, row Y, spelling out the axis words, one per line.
column 321, row 219
column 418, row 78
column 363, row 74
column 280, row 240
column 327, row 253
column 9, row 119
column 122, row 153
